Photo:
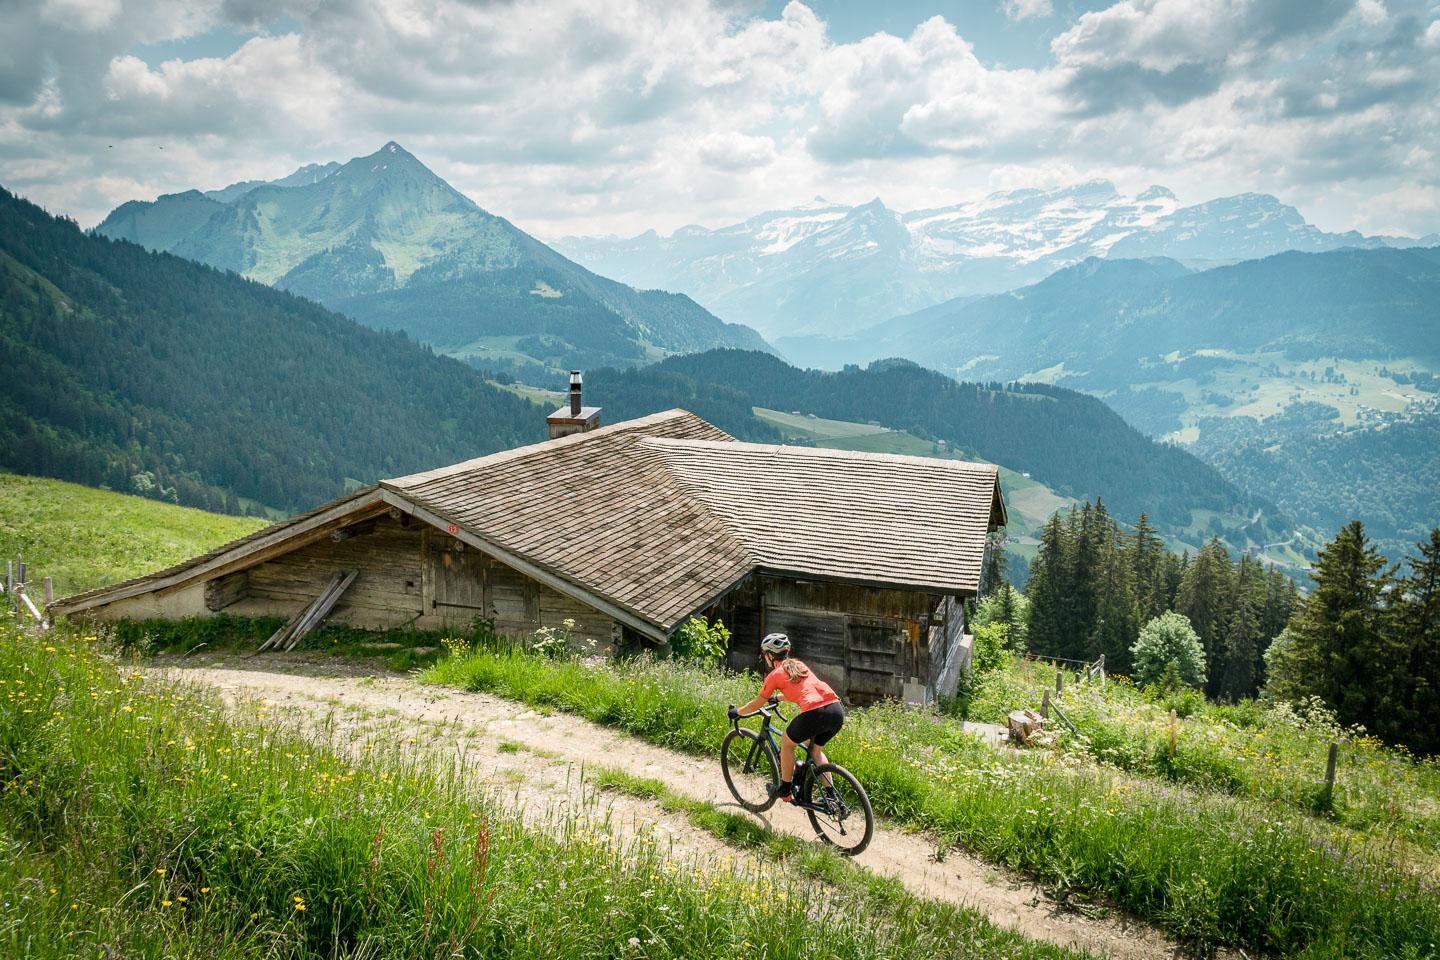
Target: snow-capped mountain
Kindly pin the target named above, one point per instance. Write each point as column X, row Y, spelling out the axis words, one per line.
column 827, row 268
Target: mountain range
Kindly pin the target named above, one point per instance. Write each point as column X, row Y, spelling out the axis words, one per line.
column 385, row 241
column 1108, row 323
column 1310, row 379
column 826, row 268
column 149, row 373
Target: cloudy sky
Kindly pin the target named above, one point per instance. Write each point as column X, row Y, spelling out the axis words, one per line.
column 578, row 116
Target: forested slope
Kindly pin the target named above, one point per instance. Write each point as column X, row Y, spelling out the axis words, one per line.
column 147, row 373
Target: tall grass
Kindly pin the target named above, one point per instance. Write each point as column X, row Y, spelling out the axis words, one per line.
column 1271, row 753
column 136, row 819
column 1210, row 869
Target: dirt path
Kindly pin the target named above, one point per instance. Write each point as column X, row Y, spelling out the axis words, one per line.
column 541, row 759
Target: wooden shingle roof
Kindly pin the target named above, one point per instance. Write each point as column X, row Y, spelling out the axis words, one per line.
column 657, row 517
column 598, row 511
column 845, row 515
column 661, row 515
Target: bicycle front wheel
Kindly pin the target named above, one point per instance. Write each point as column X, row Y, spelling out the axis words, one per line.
column 839, row 809
column 749, row 766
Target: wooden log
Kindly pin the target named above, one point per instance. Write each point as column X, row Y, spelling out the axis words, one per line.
column 353, row 530
column 221, row 592
column 49, row 590
column 1023, row 725
column 1330, row 770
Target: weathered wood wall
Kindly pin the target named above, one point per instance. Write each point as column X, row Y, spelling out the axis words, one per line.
column 410, row 575
column 386, row 594
column 863, row 641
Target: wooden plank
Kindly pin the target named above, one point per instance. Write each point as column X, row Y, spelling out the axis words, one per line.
column 221, row 592
column 278, row 638
column 322, row 609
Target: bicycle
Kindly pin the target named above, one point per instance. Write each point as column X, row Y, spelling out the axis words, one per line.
column 831, row 797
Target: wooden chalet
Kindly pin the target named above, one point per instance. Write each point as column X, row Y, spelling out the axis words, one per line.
column 630, row 530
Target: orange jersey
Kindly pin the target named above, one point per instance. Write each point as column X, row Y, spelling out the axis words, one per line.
column 807, row 693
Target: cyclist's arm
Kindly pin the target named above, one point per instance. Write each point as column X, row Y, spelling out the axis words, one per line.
column 760, row 700
column 766, row 694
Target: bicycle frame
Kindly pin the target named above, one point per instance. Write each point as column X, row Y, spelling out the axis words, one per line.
column 770, row 740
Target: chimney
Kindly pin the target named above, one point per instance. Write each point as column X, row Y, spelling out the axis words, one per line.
column 576, row 418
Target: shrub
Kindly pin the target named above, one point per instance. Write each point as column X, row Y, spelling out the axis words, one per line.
column 1169, row 650
column 701, row 641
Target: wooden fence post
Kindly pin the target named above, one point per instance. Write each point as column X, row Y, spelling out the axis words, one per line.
column 19, row 569
column 49, row 590
column 1330, row 772
column 1059, row 680
column 1045, row 705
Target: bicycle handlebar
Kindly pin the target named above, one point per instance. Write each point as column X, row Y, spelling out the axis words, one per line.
column 772, row 709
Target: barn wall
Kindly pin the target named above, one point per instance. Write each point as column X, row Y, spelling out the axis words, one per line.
column 863, row 641
column 410, row 575
column 386, row 593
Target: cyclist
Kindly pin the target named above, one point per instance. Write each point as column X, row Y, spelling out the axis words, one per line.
column 821, row 715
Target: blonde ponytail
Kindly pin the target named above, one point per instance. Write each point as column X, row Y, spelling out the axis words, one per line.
column 795, row 669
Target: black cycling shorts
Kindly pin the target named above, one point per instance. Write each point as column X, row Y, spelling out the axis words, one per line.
column 819, row 724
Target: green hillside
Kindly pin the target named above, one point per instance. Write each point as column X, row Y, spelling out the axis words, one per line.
column 385, row 241
column 86, row 538
column 151, row 374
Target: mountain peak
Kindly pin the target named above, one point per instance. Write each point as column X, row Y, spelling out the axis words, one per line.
column 1156, row 192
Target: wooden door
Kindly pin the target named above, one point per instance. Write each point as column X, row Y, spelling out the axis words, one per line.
column 875, row 655
column 456, row 575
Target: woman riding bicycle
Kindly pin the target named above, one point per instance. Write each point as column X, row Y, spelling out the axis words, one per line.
column 821, row 715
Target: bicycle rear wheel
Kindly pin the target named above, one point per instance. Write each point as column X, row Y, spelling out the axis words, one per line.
column 749, row 766
column 839, row 809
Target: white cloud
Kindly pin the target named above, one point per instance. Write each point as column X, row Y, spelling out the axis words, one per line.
column 662, row 113
column 1026, row 9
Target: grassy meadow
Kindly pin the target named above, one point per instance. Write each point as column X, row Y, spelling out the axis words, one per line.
column 1211, row 867
column 86, row 538
column 140, row 819
column 1268, row 753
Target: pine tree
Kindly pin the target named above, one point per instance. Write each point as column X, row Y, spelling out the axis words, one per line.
column 1047, row 590
column 1338, row 631
column 992, row 571
column 1150, row 562
column 1416, row 622
column 1281, row 599
column 1205, row 598
column 1242, row 642
column 1117, row 614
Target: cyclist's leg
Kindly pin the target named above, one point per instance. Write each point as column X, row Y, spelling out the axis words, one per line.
column 787, row 758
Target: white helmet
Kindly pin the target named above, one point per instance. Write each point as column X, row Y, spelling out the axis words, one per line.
column 776, row 643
